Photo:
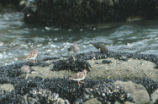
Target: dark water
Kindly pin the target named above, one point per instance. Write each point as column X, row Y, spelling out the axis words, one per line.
column 17, row 38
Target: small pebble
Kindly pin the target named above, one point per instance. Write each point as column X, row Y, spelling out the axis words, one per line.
column 103, row 94
column 106, row 62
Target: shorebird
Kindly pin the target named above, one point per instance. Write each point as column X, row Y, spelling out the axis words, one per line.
column 101, row 46
column 74, row 48
column 79, row 76
column 32, row 55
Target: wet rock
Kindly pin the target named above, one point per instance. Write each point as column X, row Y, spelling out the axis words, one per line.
column 91, row 55
column 37, row 90
column 49, row 90
column 79, row 101
column 77, row 13
column 154, row 97
column 60, row 101
column 129, row 102
column 133, row 19
column 123, row 58
column 50, row 58
column 3, row 96
column 106, row 92
column 41, row 96
column 10, row 2
column 117, row 102
column 136, row 91
column 7, row 87
column 14, row 70
column 96, row 62
column 149, row 84
column 131, row 69
column 118, row 55
column 106, row 62
column 101, row 47
column 71, row 64
column 26, row 69
column 92, row 101
column 49, row 86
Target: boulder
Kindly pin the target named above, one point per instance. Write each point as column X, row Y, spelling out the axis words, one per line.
column 136, row 91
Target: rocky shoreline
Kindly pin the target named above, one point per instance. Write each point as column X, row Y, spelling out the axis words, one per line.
column 79, row 13
column 113, row 78
column 83, row 13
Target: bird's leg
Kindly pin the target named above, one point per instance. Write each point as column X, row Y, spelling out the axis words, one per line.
column 81, row 82
column 78, row 83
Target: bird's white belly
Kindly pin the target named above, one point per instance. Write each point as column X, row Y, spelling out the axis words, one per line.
column 31, row 58
column 79, row 79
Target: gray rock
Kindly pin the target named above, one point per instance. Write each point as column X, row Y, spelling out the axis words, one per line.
column 78, row 101
column 67, row 102
column 25, row 69
column 136, row 91
column 154, row 97
column 60, row 101
column 92, row 101
column 129, row 102
column 7, row 87
column 106, row 62
column 101, row 46
column 117, row 102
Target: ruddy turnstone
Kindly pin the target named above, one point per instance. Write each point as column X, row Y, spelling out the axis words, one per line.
column 74, row 48
column 101, row 46
column 79, row 76
column 32, row 55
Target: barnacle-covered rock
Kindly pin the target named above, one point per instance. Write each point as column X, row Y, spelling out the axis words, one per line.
column 138, row 73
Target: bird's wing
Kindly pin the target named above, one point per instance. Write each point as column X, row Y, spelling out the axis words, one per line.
column 79, row 74
column 32, row 53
